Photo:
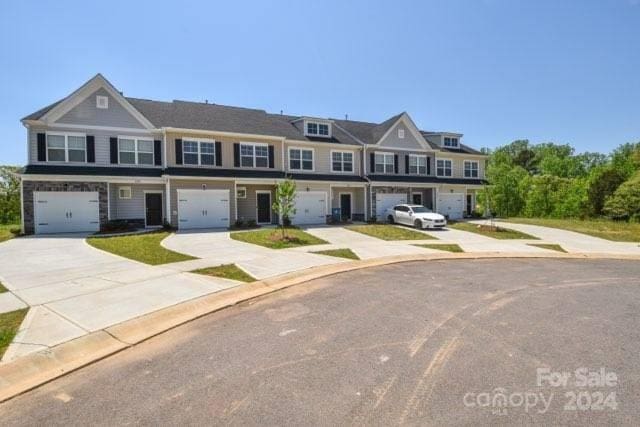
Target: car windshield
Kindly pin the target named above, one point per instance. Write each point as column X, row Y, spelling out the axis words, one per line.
column 420, row 209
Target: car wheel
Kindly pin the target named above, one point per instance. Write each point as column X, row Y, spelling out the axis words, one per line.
column 390, row 219
column 418, row 224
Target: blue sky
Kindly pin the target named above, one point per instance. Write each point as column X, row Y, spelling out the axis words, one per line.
column 495, row 70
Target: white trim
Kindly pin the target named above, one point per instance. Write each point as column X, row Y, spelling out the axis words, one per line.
column 92, row 127
column 436, row 166
column 323, row 144
column 240, row 188
column 350, row 193
column 167, row 189
column 424, row 156
column 457, row 139
column 385, row 154
column 343, row 172
column 464, row 164
column 96, row 178
column 136, row 140
column 254, row 144
column 317, row 122
column 235, row 201
column 270, row 213
column 219, row 133
column 102, row 102
column 313, row 159
column 66, row 136
column 199, row 142
column 408, row 122
column 124, row 187
column 145, row 192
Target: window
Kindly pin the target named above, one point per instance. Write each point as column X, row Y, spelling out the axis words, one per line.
column 124, row 192
column 417, row 164
column 317, row 129
column 342, row 161
column 443, row 167
column 470, row 169
column 66, row 148
column 134, row 151
column 401, row 133
column 385, row 163
column 254, row 155
column 201, row 153
column 102, row 102
column 300, row 159
column 450, row 142
column 241, row 192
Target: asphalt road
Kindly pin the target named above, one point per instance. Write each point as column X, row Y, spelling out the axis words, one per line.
column 446, row 342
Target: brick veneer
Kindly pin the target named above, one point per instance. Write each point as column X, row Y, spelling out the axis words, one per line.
column 30, row 186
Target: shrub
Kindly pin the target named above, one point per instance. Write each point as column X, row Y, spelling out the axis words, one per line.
column 625, row 202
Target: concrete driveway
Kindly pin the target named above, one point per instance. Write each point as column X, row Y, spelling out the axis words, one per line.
column 74, row 289
column 418, row 343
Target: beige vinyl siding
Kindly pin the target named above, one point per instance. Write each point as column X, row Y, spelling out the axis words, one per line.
column 401, row 161
column 247, row 208
column 133, row 208
column 226, row 148
column 457, row 164
column 322, row 158
column 196, row 184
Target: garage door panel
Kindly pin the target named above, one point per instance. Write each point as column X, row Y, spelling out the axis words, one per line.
column 451, row 205
column 385, row 201
column 203, row 209
column 311, row 208
column 66, row 212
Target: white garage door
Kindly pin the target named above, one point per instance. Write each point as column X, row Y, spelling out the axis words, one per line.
column 385, row 201
column 66, row 211
column 311, row 208
column 203, row 209
column 451, row 205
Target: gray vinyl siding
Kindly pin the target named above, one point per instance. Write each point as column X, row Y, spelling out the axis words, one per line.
column 409, row 141
column 247, row 208
column 86, row 113
column 322, row 158
column 102, row 144
column 401, row 161
column 133, row 208
column 196, row 184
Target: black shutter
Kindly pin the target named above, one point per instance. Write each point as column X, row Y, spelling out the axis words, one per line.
column 91, row 149
column 42, row 147
column 113, row 148
column 157, row 152
column 236, row 155
column 271, row 157
column 406, row 164
column 428, row 165
column 218, row 153
column 178, row 151
column 395, row 163
column 372, row 163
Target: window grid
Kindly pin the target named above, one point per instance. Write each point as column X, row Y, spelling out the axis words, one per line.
column 254, row 155
column 417, row 165
column 66, row 148
column 384, row 163
column 135, row 151
column 443, row 167
column 471, row 169
column 300, row 159
column 341, row 161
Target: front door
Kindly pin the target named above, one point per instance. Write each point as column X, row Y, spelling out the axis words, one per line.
column 469, row 204
column 264, row 208
column 416, row 198
column 345, row 207
column 153, row 204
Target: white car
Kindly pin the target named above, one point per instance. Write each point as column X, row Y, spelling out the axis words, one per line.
column 415, row 215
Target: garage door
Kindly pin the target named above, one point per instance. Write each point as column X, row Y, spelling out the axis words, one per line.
column 66, row 212
column 451, row 205
column 385, row 201
column 311, row 208
column 203, row 209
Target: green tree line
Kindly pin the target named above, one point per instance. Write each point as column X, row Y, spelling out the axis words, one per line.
column 9, row 195
column 551, row 180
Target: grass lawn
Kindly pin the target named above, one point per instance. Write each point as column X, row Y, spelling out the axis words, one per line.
column 272, row 238
column 140, row 247
column 9, row 324
column 340, row 253
column 502, row 233
column 227, row 271
column 550, row 246
column 617, row 231
column 389, row 232
column 8, row 231
column 442, row 247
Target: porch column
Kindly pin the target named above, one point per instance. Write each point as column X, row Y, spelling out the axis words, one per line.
column 167, row 201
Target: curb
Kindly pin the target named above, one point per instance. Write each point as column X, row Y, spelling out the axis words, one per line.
column 33, row 370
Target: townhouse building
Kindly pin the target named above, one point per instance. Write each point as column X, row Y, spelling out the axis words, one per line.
column 98, row 156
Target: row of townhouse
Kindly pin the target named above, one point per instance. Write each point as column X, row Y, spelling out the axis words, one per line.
column 97, row 156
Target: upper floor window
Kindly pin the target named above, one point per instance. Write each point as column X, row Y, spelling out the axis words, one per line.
column 385, row 163
column 444, row 167
column 300, row 159
column 450, row 142
column 417, row 164
column 342, row 161
column 201, row 153
column 135, row 151
column 317, row 129
column 66, row 148
column 254, row 155
column 471, row 168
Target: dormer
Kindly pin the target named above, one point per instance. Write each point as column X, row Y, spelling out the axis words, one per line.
column 316, row 128
column 446, row 140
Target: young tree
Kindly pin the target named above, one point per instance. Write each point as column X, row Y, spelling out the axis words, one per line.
column 9, row 195
column 284, row 204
